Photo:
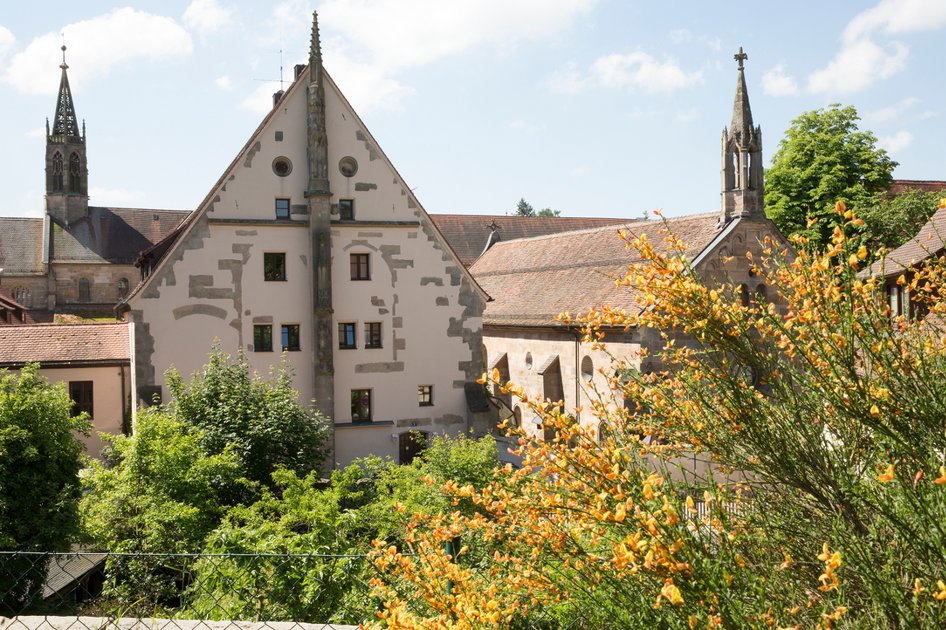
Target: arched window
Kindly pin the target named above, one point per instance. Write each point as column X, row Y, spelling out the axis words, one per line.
column 744, row 294
column 85, row 290
column 56, row 183
column 75, row 184
column 22, row 295
column 122, row 287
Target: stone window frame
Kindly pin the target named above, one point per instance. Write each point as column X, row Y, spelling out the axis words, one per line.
column 274, row 266
column 360, row 266
column 289, row 337
column 75, row 173
column 346, row 209
column 425, row 395
column 84, row 286
column 58, row 184
column 262, row 337
column 82, row 395
column 373, row 335
column 347, row 339
column 283, row 205
column 361, row 405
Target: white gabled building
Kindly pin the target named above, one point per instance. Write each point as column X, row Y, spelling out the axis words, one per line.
column 311, row 243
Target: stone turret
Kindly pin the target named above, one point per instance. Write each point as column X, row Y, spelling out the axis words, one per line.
column 67, row 169
column 742, row 187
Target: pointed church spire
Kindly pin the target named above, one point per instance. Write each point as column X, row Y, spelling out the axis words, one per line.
column 318, row 141
column 742, row 187
column 65, row 122
column 315, row 51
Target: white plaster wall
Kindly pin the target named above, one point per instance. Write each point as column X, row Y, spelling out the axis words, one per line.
column 106, row 398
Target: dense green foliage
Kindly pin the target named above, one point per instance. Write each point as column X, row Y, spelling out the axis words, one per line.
column 891, row 221
column 525, row 209
column 159, row 491
column 260, row 421
column 39, row 476
column 824, row 157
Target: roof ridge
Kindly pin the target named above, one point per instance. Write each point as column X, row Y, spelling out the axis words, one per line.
column 631, row 224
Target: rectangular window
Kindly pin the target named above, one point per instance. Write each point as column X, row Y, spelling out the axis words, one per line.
column 81, row 394
column 346, row 209
column 290, row 337
column 262, row 338
column 372, row 334
column 282, row 208
column 359, row 267
column 361, row 405
column 425, row 395
column 346, row 336
column 274, row 266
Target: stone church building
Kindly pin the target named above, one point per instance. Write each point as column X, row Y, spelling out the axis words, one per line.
column 77, row 257
column 312, row 250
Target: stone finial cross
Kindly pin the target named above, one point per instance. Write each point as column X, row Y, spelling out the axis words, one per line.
column 493, row 226
column 740, row 57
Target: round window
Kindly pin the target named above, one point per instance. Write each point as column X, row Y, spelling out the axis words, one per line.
column 282, row 166
column 348, row 166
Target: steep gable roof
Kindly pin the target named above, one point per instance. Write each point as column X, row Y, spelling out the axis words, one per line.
column 64, row 344
column 21, row 245
column 929, row 241
column 469, row 234
column 534, row 279
column 115, row 235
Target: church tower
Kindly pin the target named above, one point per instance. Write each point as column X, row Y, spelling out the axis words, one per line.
column 742, row 190
column 67, row 169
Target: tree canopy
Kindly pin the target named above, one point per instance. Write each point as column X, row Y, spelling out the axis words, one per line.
column 823, row 158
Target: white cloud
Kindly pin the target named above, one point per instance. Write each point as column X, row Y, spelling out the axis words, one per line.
column 524, row 125
column 6, row 41
column 640, row 70
column 37, row 132
column 260, row 100
column 224, row 83
column 776, row 83
column 891, row 112
column 896, row 142
column 206, row 17
column 96, row 45
column 928, row 114
column 862, row 61
column 687, row 115
column 114, row 196
column 857, row 66
column 380, row 38
column 579, row 170
column 897, row 16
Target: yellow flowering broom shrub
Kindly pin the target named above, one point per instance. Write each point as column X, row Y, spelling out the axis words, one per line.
column 829, row 411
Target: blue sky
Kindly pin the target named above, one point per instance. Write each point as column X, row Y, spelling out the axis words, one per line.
column 591, row 107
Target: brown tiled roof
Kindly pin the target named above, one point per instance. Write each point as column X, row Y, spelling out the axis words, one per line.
column 898, row 186
column 115, row 235
column 930, row 240
column 12, row 313
column 533, row 280
column 469, row 233
column 21, row 245
column 64, row 344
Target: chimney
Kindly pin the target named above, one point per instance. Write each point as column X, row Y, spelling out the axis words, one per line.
column 276, row 97
column 298, row 68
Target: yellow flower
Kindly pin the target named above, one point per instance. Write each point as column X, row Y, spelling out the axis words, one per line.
column 887, row 475
column 941, row 594
column 862, row 252
column 874, row 410
column 942, row 202
column 917, row 587
column 672, row 593
column 942, row 476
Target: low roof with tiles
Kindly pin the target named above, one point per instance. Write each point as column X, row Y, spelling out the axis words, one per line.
column 532, row 280
column 929, row 241
column 64, row 344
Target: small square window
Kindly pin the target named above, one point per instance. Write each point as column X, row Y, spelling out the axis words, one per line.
column 361, row 405
column 346, row 336
column 81, row 394
column 360, row 269
column 346, row 209
column 274, row 266
column 290, row 337
column 425, row 395
column 372, row 334
column 282, row 208
column 262, row 338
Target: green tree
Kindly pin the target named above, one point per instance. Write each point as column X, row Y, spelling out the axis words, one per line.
column 260, row 420
column 824, row 157
column 524, row 209
column 40, row 459
column 548, row 212
column 892, row 221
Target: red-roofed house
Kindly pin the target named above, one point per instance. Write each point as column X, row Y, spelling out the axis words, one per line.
column 92, row 360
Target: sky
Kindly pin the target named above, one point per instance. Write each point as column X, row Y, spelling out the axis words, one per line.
column 591, row 107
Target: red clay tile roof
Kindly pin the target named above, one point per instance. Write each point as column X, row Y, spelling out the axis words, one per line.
column 533, row 280
column 930, row 240
column 12, row 313
column 898, row 186
column 468, row 233
column 64, row 344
